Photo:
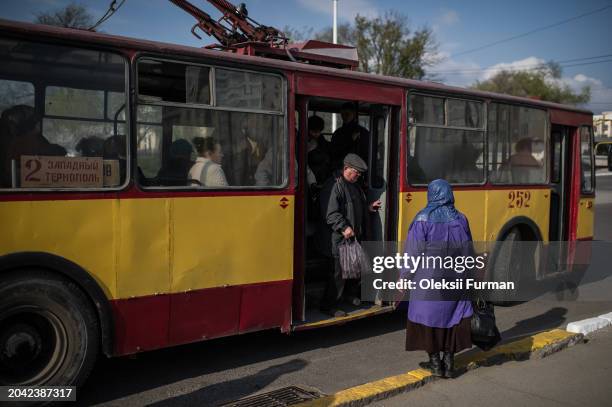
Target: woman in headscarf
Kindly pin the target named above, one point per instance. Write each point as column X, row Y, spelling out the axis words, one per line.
column 438, row 322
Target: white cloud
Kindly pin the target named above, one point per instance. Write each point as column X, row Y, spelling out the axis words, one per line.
column 601, row 96
column 453, row 72
column 448, row 17
column 465, row 73
column 347, row 9
column 523, row 64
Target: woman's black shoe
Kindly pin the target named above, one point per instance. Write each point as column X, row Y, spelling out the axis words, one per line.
column 449, row 364
column 435, row 364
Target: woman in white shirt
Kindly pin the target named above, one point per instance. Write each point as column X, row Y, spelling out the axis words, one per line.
column 207, row 168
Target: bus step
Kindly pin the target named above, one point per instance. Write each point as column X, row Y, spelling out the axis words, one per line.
column 285, row 396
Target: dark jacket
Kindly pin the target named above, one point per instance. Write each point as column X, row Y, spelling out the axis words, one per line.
column 340, row 209
column 350, row 138
column 243, row 163
column 319, row 160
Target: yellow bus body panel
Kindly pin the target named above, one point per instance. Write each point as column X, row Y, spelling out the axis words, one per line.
column 586, row 217
column 144, row 255
column 231, row 240
column 138, row 247
column 82, row 231
column 487, row 210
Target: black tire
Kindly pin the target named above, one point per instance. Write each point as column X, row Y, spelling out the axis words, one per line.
column 512, row 263
column 49, row 332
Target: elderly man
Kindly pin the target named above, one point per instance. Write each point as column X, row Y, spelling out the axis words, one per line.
column 344, row 205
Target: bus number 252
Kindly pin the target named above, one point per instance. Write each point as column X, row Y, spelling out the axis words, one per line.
column 519, row 199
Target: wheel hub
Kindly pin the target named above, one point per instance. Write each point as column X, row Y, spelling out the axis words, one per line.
column 32, row 346
column 21, row 343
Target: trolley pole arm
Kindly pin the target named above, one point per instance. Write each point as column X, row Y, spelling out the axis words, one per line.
column 209, row 25
column 238, row 17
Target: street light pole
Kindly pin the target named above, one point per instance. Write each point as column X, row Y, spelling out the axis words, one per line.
column 335, row 41
column 335, row 24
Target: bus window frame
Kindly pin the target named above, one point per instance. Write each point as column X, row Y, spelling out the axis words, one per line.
column 547, row 144
column 483, row 129
column 212, row 65
column 128, row 112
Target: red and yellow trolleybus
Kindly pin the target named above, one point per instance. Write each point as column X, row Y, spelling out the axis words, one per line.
column 107, row 246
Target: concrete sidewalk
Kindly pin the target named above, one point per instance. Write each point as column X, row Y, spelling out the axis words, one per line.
column 577, row 376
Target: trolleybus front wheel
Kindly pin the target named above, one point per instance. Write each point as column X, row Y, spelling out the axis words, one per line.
column 49, row 332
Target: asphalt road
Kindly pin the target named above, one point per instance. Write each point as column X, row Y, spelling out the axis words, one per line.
column 329, row 359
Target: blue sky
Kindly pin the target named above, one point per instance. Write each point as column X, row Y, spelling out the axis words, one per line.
column 458, row 26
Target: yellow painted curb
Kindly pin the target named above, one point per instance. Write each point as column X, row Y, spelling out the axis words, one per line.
column 539, row 345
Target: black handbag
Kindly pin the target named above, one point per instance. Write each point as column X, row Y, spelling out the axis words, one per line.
column 485, row 334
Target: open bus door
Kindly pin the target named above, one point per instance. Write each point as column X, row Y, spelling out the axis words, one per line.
column 382, row 124
column 560, row 183
column 299, row 289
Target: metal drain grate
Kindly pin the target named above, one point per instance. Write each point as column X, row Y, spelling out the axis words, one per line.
column 286, row 396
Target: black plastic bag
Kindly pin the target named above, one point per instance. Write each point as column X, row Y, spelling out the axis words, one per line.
column 485, row 334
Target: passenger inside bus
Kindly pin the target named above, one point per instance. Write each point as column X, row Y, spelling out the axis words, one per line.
column 318, row 171
column 207, row 170
column 23, row 136
column 522, row 166
column 351, row 137
column 175, row 172
column 319, row 150
column 247, row 153
column 114, row 148
column 92, row 146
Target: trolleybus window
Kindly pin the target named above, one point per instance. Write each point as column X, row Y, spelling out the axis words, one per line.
column 586, row 149
column 173, row 82
column 15, row 93
column 518, row 140
column 446, row 140
column 75, row 136
column 248, row 90
column 236, row 139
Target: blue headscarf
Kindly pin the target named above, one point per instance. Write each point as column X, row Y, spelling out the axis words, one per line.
column 440, row 204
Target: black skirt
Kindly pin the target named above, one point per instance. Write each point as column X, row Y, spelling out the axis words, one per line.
column 431, row 340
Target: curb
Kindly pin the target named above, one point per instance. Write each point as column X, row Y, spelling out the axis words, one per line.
column 532, row 347
column 589, row 325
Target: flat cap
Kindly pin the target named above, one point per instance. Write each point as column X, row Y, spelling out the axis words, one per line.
column 354, row 161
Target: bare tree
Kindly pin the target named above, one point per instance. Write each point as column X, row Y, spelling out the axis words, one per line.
column 386, row 45
column 72, row 16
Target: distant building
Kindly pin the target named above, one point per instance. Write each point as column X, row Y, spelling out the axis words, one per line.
column 603, row 124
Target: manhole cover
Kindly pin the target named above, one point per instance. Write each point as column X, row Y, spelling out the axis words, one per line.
column 286, row 396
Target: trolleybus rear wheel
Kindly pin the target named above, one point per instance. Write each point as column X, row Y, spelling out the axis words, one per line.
column 514, row 262
column 49, row 332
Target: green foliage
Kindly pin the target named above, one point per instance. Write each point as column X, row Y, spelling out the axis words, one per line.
column 298, row 35
column 385, row 45
column 346, row 34
column 542, row 83
column 72, row 16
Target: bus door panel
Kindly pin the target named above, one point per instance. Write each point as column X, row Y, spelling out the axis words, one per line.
column 560, row 165
column 299, row 292
column 560, row 187
column 378, row 168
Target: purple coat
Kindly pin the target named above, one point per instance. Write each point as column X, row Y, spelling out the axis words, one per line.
column 437, row 314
